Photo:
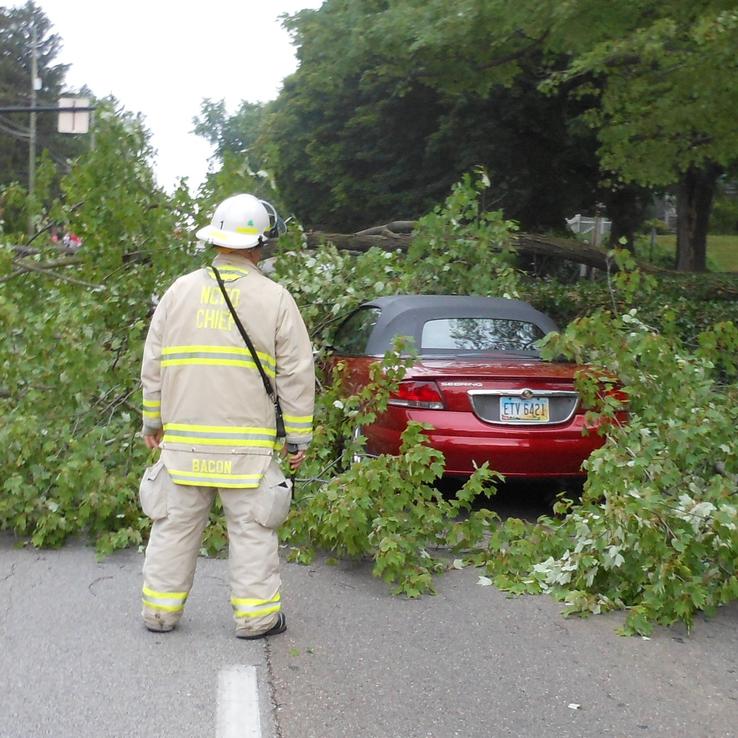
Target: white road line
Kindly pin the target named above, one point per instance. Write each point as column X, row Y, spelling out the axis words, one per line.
column 238, row 703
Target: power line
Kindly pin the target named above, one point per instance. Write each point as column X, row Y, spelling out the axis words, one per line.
column 15, row 127
column 15, row 134
column 45, row 109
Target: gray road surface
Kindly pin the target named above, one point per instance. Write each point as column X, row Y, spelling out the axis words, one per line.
column 355, row 661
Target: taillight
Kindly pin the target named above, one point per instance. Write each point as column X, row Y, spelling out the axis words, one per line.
column 621, row 396
column 597, row 389
column 424, row 395
column 616, row 394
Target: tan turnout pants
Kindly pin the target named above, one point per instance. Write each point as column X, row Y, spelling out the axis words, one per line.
column 180, row 514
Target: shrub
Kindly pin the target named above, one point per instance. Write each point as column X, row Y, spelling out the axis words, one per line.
column 388, row 508
column 656, row 530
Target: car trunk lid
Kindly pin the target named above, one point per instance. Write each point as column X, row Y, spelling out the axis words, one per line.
column 525, row 392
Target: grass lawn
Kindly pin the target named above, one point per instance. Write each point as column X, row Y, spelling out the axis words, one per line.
column 722, row 251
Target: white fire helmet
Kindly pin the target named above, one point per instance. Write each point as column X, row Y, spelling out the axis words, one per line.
column 242, row 222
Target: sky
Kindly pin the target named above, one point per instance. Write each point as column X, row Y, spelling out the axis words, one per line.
column 162, row 57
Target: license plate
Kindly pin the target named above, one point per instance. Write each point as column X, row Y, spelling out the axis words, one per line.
column 534, row 410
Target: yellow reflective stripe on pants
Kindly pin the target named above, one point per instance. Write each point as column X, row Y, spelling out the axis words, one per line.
column 206, row 479
column 248, row 607
column 167, row 601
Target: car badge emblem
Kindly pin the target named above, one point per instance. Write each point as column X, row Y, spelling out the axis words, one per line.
column 527, row 394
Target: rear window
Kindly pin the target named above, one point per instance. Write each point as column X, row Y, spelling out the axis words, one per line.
column 352, row 336
column 479, row 334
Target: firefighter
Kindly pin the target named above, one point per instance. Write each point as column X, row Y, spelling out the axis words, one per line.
column 205, row 405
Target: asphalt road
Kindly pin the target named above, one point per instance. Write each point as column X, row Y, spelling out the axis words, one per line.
column 75, row 660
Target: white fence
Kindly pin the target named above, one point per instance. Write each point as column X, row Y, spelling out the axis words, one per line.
column 597, row 228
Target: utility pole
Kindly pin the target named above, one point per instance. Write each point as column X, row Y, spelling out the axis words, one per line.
column 32, row 126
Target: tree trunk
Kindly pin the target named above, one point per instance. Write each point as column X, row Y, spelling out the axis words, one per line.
column 527, row 244
column 397, row 236
column 626, row 206
column 694, row 202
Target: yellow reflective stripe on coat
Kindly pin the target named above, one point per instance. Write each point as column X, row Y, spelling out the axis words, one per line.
column 218, row 349
column 299, row 418
column 217, row 435
column 229, row 269
column 166, row 601
column 219, row 428
column 208, row 479
column 249, row 607
column 298, row 425
column 151, row 409
column 228, row 273
column 202, row 441
column 216, row 356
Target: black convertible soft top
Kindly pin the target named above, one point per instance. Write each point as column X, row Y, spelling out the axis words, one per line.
column 405, row 315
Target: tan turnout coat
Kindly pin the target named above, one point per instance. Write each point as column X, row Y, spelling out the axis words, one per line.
column 202, row 386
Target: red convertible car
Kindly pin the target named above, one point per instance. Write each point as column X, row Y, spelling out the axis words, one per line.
column 479, row 381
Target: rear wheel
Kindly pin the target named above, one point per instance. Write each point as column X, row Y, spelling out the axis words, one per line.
column 570, row 488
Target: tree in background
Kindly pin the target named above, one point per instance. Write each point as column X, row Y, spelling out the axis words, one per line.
column 566, row 103
column 72, row 339
column 724, row 216
column 356, row 138
column 234, row 141
column 667, row 99
column 235, row 133
column 659, row 80
column 15, row 83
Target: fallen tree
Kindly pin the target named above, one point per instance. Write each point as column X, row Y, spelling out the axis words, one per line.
column 50, row 268
column 398, row 236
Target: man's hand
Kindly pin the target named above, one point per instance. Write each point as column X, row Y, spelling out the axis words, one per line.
column 154, row 440
column 296, row 459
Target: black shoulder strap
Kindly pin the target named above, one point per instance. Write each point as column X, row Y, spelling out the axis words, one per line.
column 267, row 384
